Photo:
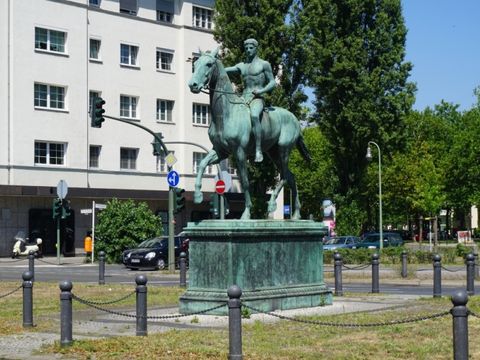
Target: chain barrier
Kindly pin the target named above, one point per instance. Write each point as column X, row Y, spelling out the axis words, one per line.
column 359, row 267
column 46, row 262
column 134, row 316
column 11, row 292
column 424, row 270
column 353, row 325
column 93, row 302
column 470, row 312
column 449, row 270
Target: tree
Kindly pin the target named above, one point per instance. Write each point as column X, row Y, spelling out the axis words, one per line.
column 281, row 45
column 123, row 225
column 356, row 51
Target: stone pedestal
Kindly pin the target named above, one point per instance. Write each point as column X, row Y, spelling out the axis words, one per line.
column 277, row 264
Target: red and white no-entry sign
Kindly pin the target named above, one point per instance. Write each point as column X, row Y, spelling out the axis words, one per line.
column 220, row 187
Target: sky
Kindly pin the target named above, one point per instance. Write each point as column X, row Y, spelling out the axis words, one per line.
column 443, row 44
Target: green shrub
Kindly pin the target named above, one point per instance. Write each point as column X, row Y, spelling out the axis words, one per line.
column 123, row 225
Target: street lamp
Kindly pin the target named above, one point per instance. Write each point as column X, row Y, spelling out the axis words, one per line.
column 369, row 158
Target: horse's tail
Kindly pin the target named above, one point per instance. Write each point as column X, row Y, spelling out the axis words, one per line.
column 303, row 149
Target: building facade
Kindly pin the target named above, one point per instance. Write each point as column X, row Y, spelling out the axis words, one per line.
column 56, row 56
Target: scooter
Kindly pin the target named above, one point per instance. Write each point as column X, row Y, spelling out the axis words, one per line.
column 22, row 246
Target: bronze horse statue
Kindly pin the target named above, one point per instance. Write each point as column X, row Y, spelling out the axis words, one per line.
column 230, row 132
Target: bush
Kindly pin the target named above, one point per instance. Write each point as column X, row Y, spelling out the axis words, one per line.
column 123, row 225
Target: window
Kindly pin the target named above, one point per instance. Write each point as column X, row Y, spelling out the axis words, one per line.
column 128, row 158
column 95, row 49
column 49, row 153
column 128, row 106
column 161, row 162
column 197, row 159
column 94, row 155
column 49, row 96
column 202, row 17
column 164, row 110
column 94, row 2
column 201, row 114
column 165, row 9
column 91, row 96
column 164, row 60
column 50, row 40
column 230, row 169
column 128, row 7
column 128, row 54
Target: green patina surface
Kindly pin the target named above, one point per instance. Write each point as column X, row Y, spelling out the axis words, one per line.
column 277, row 264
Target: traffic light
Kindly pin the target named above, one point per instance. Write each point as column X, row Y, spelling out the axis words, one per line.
column 66, row 209
column 96, row 113
column 179, row 203
column 57, row 208
column 157, row 146
column 215, row 205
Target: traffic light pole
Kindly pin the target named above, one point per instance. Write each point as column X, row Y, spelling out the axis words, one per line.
column 222, row 207
column 171, row 229
column 58, row 240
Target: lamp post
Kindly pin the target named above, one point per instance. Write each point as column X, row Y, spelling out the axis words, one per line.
column 369, row 158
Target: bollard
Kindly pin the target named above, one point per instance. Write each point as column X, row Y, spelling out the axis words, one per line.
column 460, row 325
column 470, row 261
column 235, row 323
column 437, row 276
column 101, row 268
column 183, row 269
column 477, row 266
column 375, row 274
column 27, row 299
column 31, row 264
column 338, row 274
column 141, row 289
column 404, row 264
column 66, row 313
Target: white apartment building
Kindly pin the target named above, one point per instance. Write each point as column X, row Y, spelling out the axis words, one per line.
column 55, row 56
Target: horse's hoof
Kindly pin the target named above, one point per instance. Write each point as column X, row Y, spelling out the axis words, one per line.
column 245, row 215
column 272, row 207
column 296, row 215
column 197, row 197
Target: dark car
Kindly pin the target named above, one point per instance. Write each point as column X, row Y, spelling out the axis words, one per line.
column 153, row 253
column 341, row 242
column 372, row 240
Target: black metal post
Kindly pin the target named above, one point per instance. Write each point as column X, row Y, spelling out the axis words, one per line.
column 404, row 264
column 141, row 289
column 101, row 268
column 338, row 263
column 27, row 299
column 235, row 323
column 477, row 266
column 460, row 325
column 375, row 274
column 66, row 313
column 183, row 269
column 470, row 261
column 437, row 276
column 31, row 263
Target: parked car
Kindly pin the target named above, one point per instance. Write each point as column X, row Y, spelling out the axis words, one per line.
column 341, row 242
column 153, row 253
column 372, row 240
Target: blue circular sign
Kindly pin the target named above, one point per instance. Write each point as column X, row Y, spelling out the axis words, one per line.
column 173, row 178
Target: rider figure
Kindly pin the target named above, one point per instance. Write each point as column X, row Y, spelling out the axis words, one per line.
column 258, row 79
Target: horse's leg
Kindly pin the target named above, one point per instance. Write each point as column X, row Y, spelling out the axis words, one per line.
column 211, row 158
column 242, row 173
column 272, row 203
column 290, row 179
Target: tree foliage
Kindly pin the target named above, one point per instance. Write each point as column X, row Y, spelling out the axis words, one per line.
column 123, row 225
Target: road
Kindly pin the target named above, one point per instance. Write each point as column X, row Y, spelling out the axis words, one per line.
column 88, row 273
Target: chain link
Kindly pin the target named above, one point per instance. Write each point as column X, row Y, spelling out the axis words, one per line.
column 160, row 317
column 93, row 302
column 360, row 267
column 424, row 270
column 11, row 292
column 444, row 268
column 470, row 312
column 353, row 325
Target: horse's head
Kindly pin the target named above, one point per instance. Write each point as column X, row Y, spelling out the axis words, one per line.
column 202, row 73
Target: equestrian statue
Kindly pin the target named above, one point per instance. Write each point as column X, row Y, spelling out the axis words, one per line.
column 241, row 125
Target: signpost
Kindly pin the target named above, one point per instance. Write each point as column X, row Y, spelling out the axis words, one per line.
column 173, row 178
column 220, row 190
column 92, row 211
column 62, row 190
